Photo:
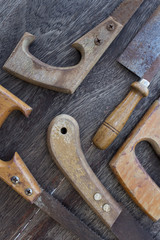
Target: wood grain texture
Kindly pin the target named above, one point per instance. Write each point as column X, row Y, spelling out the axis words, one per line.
column 65, row 149
column 57, row 24
column 115, row 122
column 92, row 45
column 130, row 172
column 9, row 103
column 15, row 168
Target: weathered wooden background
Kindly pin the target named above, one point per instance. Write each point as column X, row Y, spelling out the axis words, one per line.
column 56, row 24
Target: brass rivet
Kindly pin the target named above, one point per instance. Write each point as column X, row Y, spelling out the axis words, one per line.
column 106, row 207
column 97, row 196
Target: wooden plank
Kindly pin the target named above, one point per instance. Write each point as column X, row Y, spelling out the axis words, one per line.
column 57, row 24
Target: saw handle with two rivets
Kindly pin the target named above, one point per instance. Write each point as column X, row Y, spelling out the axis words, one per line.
column 65, row 149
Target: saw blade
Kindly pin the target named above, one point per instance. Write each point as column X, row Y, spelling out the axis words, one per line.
column 56, row 210
column 125, row 10
column 142, row 55
column 126, row 227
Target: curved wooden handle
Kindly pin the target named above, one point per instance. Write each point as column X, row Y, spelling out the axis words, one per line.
column 9, row 102
column 114, row 123
column 128, row 169
column 92, row 45
column 16, row 174
column 64, row 146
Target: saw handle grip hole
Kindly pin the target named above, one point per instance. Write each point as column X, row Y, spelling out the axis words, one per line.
column 63, row 130
column 149, row 159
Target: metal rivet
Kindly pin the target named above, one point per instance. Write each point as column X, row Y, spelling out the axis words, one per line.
column 98, row 41
column 111, row 26
column 15, row 179
column 97, row 196
column 28, row 191
column 106, row 207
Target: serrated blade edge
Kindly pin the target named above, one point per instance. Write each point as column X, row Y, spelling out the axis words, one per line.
column 125, row 10
column 56, row 210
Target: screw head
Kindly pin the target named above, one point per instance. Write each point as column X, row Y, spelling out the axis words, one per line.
column 97, row 41
column 97, row 196
column 28, row 191
column 15, row 179
column 110, row 26
column 106, row 207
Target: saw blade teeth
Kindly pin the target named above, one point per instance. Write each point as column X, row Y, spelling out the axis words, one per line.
column 45, row 202
column 124, row 11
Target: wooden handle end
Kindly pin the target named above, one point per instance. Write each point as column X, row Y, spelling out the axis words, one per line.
column 114, row 123
column 105, row 136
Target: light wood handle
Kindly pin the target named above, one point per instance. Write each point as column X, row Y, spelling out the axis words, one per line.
column 128, row 169
column 9, row 102
column 16, row 174
column 114, row 123
column 64, row 146
column 92, row 45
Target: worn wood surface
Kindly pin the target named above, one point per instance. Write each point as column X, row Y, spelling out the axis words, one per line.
column 9, row 102
column 16, row 168
column 66, row 151
column 130, row 172
column 115, row 122
column 57, row 24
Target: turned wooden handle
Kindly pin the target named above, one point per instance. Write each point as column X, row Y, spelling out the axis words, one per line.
column 64, row 146
column 16, row 174
column 9, row 102
column 128, row 169
column 114, row 123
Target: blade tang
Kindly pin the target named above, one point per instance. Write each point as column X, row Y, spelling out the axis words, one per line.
column 125, row 10
column 16, row 174
column 62, row 215
column 66, row 151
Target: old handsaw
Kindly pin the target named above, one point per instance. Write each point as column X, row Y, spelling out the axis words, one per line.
column 92, row 45
column 128, row 169
column 64, row 146
column 16, row 174
column 142, row 57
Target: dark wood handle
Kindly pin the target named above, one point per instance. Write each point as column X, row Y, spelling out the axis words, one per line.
column 114, row 123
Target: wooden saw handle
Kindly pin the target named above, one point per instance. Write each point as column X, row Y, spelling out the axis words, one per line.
column 64, row 146
column 16, row 174
column 114, row 123
column 9, row 102
column 92, row 45
column 128, row 169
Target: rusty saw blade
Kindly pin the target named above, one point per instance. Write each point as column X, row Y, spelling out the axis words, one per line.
column 16, row 174
column 62, row 215
column 125, row 10
column 142, row 56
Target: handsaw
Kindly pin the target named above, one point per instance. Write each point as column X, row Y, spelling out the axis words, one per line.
column 92, row 45
column 142, row 57
column 16, row 174
column 64, row 146
column 128, row 169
